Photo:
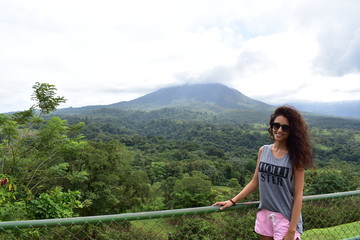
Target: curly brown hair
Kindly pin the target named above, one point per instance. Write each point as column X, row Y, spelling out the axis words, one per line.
column 298, row 142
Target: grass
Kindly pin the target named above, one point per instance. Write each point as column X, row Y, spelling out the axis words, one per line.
column 160, row 226
column 322, row 147
column 221, row 188
column 343, row 231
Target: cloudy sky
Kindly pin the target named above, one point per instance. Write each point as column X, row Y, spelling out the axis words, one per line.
column 103, row 52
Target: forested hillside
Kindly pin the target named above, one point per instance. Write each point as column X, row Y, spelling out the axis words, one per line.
column 113, row 161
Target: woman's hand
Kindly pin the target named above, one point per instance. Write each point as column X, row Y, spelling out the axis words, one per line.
column 224, row 205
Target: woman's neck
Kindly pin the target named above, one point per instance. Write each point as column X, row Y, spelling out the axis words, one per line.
column 279, row 150
column 280, row 146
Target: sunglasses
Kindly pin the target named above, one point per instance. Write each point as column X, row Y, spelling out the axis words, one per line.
column 276, row 126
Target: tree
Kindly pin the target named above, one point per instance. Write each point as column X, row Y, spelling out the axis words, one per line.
column 193, row 191
column 157, row 171
column 30, row 149
column 54, row 204
column 233, row 183
column 17, row 130
column 329, row 180
column 111, row 184
column 44, row 95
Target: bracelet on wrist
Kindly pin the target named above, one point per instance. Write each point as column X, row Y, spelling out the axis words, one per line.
column 232, row 202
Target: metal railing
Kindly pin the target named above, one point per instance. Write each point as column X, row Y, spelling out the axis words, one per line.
column 326, row 216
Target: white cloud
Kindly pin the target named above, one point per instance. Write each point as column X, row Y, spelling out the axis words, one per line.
column 110, row 51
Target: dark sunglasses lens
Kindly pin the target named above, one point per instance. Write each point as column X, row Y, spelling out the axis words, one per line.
column 276, row 126
column 284, row 127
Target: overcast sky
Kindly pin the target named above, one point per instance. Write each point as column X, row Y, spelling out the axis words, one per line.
column 103, row 52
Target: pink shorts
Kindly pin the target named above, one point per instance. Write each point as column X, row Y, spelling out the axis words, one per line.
column 272, row 224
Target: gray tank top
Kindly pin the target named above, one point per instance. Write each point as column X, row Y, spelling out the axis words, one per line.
column 276, row 184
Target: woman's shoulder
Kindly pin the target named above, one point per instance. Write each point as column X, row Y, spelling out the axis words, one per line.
column 264, row 148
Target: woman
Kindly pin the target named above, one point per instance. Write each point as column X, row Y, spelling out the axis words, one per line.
column 279, row 175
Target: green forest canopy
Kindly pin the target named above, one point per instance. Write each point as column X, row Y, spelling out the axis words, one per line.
column 115, row 161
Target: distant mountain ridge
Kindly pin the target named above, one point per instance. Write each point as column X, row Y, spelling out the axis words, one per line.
column 218, row 99
column 344, row 108
column 210, row 102
column 212, row 97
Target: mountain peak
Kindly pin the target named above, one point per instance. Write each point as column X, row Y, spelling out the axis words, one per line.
column 214, row 95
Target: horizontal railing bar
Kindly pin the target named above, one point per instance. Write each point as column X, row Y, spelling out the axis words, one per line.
column 331, row 195
column 144, row 215
column 117, row 217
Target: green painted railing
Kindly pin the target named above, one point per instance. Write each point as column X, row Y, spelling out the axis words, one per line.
column 318, row 201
